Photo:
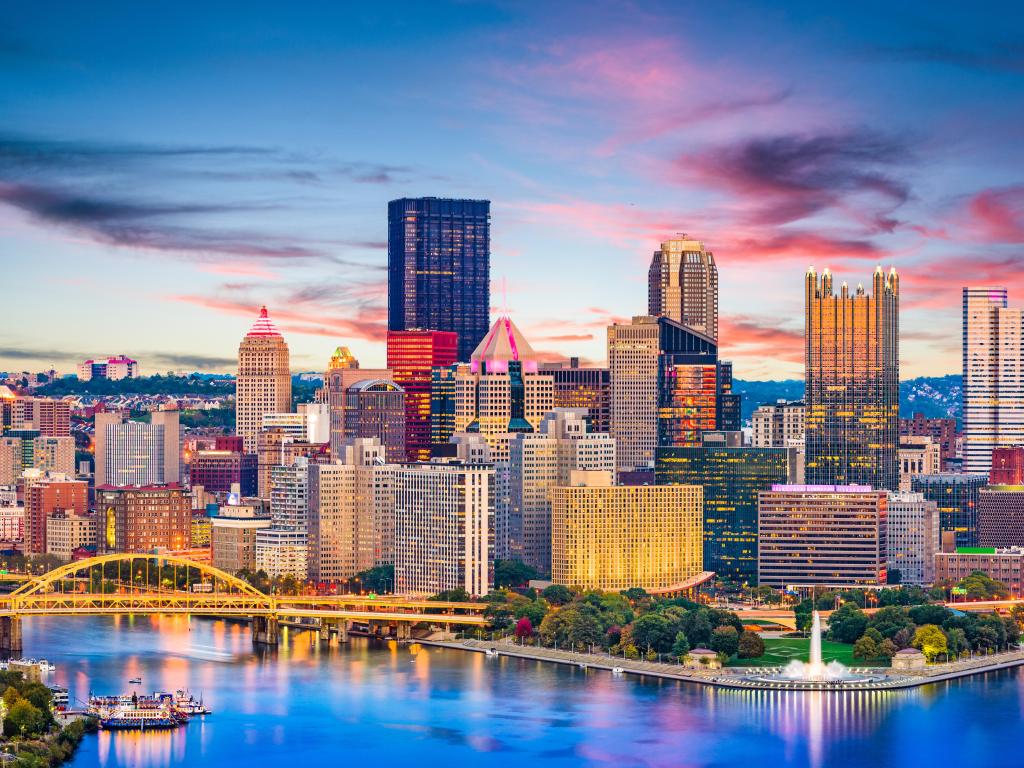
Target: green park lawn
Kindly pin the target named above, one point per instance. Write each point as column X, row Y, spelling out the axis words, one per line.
column 779, row 651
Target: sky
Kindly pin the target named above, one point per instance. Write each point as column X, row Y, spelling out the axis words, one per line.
column 168, row 167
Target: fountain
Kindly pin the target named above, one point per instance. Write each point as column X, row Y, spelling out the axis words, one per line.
column 813, row 674
column 814, row 669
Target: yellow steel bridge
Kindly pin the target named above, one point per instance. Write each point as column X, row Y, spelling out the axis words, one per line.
column 156, row 584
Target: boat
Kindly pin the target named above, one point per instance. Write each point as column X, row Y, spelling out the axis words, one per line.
column 135, row 713
column 135, row 681
column 184, row 702
column 617, row 671
column 45, row 666
column 491, row 652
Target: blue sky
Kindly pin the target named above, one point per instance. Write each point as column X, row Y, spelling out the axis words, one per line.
column 165, row 168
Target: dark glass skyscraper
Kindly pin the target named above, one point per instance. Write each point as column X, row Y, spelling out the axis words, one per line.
column 957, row 497
column 731, row 477
column 439, row 255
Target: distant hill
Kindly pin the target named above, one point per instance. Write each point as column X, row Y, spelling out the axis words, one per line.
column 931, row 395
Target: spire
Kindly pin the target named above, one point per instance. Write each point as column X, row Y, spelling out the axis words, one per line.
column 503, row 344
column 263, row 326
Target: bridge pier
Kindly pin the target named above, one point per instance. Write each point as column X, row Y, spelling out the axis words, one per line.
column 403, row 631
column 10, row 636
column 343, row 631
column 265, row 630
column 325, row 631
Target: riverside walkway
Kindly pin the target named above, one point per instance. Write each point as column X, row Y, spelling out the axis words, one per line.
column 740, row 677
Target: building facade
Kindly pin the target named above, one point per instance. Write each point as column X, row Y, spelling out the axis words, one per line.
column 683, row 285
column 444, row 527
column 1007, row 466
column 264, row 383
column 912, row 537
column 942, row 431
column 143, row 519
column 577, row 387
column 377, row 408
column 439, row 257
column 956, row 496
column 1001, row 516
column 110, row 368
column 732, row 477
column 822, row 535
column 67, row 531
column 852, row 382
column 131, row 453
column 501, row 391
column 233, row 537
column 778, row 425
column 283, row 548
column 47, row 416
column 218, row 471
column 611, row 537
column 917, row 456
column 993, row 376
column 46, row 493
column 1005, row 564
column 412, row 355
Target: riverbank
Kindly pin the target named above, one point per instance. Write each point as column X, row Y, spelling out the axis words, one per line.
column 735, row 677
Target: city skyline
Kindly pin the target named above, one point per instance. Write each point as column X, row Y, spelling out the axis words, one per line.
column 197, row 175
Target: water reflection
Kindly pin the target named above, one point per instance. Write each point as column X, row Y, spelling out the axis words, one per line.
column 410, row 705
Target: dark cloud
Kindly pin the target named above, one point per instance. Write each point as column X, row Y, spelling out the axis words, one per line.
column 998, row 57
column 791, row 177
column 189, row 361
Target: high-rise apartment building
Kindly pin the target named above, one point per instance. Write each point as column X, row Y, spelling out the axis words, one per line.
column 344, row 509
column 822, row 535
column 444, row 527
column 993, row 376
column 46, row 493
column 377, row 408
column 110, row 368
column 852, row 382
column 578, row 387
column 942, row 431
column 21, row 450
column 283, row 548
column 217, row 471
column 956, row 496
column 264, row 383
column 537, row 463
column 615, row 537
column 143, row 519
column 439, row 255
column 233, row 537
column 412, row 355
column 778, row 425
column 48, row 417
column 682, row 285
column 337, row 382
column 912, row 537
column 66, row 531
column 137, row 453
column 732, row 476
column 501, row 391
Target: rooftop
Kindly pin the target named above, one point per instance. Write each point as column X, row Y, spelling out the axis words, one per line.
column 263, row 327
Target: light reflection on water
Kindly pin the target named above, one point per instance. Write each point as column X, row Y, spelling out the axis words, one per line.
column 363, row 704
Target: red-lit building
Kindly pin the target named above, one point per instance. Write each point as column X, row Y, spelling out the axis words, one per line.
column 1007, row 466
column 217, row 470
column 143, row 518
column 411, row 357
column 44, row 496
column 230, row 443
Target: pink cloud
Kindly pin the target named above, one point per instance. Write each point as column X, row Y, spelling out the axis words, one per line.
column 997, row 215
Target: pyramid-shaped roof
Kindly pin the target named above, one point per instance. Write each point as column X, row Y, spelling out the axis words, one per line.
column 263, row 326
column 503, row 344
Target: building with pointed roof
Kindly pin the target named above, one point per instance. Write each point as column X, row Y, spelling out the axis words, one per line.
column 501, row 392
column 264, row 383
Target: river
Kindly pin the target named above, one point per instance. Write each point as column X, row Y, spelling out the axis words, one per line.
column 382, row 704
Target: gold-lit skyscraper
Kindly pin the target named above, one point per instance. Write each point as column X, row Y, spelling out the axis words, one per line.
column 852, row 377
column 264, row 383
column 682, row 285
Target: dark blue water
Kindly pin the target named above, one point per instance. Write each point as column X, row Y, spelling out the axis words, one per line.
column 366, row 705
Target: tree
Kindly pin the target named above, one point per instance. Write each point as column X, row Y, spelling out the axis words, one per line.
column 865, row 649
column 931, row 641
column 980, row 586
column 697, row 627
column 725, row 640
column 751, row 646
column 847, row 624
column 582, row 626
column 890, row 620
column 1012, row 630
column 653, row 630
column 680, row 646
column 804, row 612
column 24, row 720
column 887, row 649
column 524, row 628
column 557, row 594
column 513, row 573
column 929, row 614
column 956, row 642
column 534, row 610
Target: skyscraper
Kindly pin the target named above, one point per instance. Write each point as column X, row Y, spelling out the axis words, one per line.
column 501, row 391
column 376, row 408
column 993, row 370
column 577, row 387
column 852, row 382
column 957, row 496
column 264, row 383
column 682, row 285
column 439, row 254
column 136, row 453
column 412, row 356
